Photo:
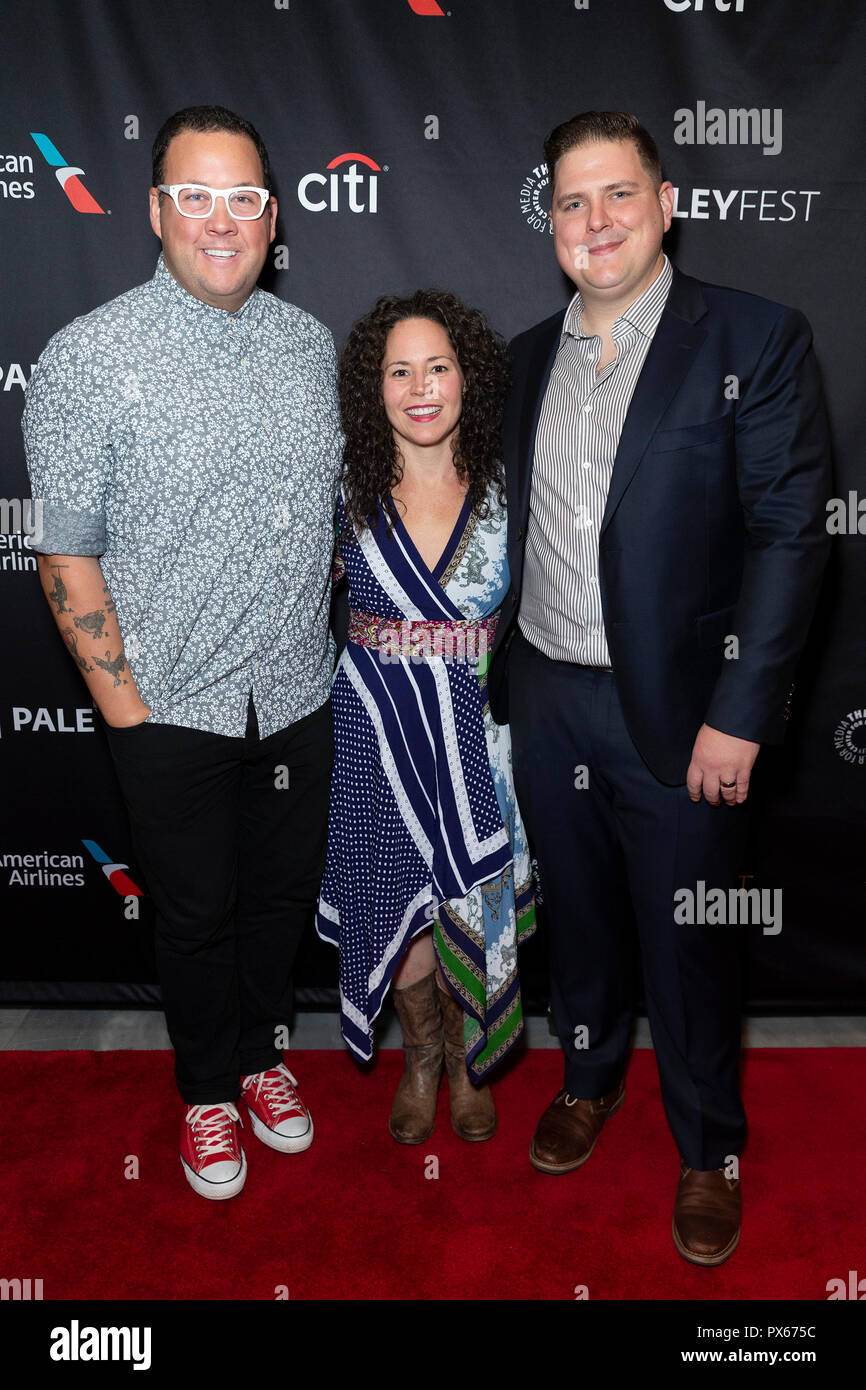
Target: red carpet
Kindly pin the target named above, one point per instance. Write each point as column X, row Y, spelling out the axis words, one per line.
column 355, row 1217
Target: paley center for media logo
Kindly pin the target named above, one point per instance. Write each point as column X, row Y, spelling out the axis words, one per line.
column 849, row 738
column 533, row 204
column 360, row 185
column 69, row 176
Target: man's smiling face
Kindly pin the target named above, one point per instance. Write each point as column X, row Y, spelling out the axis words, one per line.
column 608, row 221
column 217, row 258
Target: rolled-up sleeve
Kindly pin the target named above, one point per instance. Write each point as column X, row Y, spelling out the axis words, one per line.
column 65, row 426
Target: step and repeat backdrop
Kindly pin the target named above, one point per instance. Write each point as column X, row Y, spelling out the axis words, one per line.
column 406, row 139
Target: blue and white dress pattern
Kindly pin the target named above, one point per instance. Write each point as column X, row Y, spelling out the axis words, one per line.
column 424, row 826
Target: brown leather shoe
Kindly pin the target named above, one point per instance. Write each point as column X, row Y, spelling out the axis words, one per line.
column 568, row 1130
column 707, row 1214
column 413, row 1112
column 473, row 1114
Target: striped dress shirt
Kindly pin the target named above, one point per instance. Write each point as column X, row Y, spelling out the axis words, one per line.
column 579, row 427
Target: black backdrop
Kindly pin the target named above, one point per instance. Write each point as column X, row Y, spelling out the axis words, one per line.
column 436, row 113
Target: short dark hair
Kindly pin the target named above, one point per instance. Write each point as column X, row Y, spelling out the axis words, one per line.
column 202, row 120
column 602, row 125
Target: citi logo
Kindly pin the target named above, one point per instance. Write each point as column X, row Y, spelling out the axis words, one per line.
column 356, row 183
column 737, row 126
column 425, row 7
column 67, row 175
column 115, row 873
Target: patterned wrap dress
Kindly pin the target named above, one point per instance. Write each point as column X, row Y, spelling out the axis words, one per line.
column 424, row 827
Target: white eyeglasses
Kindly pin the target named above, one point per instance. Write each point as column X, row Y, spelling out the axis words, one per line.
column 197, row 200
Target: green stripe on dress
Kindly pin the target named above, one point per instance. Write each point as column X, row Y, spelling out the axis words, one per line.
column 462, row 973
column 500, row 1039
column 503, row 1034
column 526, row 922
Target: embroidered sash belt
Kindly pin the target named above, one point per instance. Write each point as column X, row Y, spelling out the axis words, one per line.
column 420, row 639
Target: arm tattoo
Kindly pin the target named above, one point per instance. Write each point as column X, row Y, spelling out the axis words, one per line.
column 58, row 595
column 113, row 666
column 109, row 604
column 92, row 622
column 72, row 643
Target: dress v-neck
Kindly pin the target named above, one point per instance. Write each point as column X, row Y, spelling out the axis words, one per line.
column 450, row 545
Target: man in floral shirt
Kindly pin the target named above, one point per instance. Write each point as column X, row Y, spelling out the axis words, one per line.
column 184, row 442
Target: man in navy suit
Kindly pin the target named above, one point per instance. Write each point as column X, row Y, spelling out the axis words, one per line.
column 667, row 470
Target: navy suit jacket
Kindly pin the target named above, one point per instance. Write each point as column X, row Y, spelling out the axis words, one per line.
column 715, row 519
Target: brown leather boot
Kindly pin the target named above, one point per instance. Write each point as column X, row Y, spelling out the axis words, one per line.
column 413, row 1112
column 473, row 1113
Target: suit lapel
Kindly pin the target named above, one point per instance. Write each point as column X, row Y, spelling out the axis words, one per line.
column 667, row 364
column 538, row 371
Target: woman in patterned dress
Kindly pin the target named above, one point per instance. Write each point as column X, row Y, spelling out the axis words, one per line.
column 428, row 881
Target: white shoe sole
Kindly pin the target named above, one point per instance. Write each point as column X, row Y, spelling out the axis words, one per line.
column 284, row 1143
column 216, row 1191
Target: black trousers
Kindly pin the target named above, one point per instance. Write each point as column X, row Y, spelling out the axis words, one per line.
column 230, row 834
column 611, row 854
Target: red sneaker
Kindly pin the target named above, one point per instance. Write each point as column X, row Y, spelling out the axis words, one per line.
column 210, row 1150
column 280, row 1118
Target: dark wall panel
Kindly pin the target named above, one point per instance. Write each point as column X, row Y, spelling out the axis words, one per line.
column 452, row 107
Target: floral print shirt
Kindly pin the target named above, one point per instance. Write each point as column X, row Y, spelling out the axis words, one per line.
column 197, row 453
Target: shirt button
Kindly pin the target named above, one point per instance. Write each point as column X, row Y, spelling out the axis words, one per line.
column 585, row 463
column 245, row 361
column 279, row 550
column 592, row 579
column 587, row 410
column 271, row 612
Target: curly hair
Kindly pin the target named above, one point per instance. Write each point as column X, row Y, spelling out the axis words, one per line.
column 372, row 463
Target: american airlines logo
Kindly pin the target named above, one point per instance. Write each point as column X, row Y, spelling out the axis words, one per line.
column 355, row 186
column 114, row 872
column 67, row 175
column 425, row 7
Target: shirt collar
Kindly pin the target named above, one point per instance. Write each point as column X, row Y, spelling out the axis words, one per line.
column 643, row 314
column 174, row 294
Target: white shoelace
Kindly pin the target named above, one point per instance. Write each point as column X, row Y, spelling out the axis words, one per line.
column 279, row 1094
column 212, row 1135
